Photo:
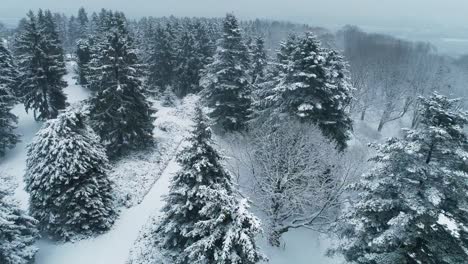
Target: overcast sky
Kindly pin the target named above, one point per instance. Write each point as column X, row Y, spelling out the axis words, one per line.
column 421, row 13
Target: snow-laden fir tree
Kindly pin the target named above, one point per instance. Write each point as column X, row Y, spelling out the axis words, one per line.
column 192, row 56
column 82, row 22
column 410, row 207
column 264, row 103
column 41, row 66
column 161, row 60
column 314, row 86
column 188, row 64
column 66, row 176
column 259, row 60
column 83, row 57
column 18, row 231
column 203, row 221
column 8, row 75
column 226, row 82
column 120, row 112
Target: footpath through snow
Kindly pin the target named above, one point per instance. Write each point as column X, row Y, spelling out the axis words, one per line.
column 112, row 247
column 148, row 186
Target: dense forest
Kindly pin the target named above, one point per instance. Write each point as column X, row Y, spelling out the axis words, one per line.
column 273, row 127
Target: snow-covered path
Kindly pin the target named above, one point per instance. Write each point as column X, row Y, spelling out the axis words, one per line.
column 112, row 247
column 14, row 163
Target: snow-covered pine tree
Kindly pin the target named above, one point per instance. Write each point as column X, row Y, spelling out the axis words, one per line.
column 82, row 23
column 187, row 63
column 73, row 32
column 314, row 87
column 18, row 231
column 226, row 81
column 409, row 208
column 120, row 112
column 161, row 60
column 259, row 60
column 41, row 66
column 66, row 177
column 83, row 57
column 203, row 221
column 8, row 75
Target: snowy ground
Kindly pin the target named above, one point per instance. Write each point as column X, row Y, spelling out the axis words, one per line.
column 135, row 175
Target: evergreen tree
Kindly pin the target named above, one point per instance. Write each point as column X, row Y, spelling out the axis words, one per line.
column 73, row 32
column 82, row 22
column 203, row 221
column 41, row 66
column 61, row 21
column 259, row 60
column 264, row 97
column 420, row 181
column 18, row 231
column 161, row 60
column 8, row 75
column 66, row 177
column 120, row 113
column 189, row 63
column 314, row 87
column 83, row 56
column 226, row 81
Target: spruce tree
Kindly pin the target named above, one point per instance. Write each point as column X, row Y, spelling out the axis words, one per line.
column 189, row 63
column 314, row 86
column 418, row 186
column 83, row 58
column 161, row 66
column 203, row 221
column 82, row 22
column 226, row 81
column 120, row 112
column 193, row 54
column 66, row 177
column 259, row 60
column 8, row 75
column 18, row 231
column 41, row 66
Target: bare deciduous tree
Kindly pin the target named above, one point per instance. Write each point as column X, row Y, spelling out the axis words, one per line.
column 295, row 175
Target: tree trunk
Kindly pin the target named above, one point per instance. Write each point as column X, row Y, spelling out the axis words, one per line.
column 363, row 114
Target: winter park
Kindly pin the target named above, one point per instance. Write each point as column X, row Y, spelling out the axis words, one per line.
column 233, row 132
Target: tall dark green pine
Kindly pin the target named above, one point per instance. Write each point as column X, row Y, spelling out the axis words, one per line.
column 259, row 60
column 18, row 231
column 83, row 58
column 82, row 23
column 161, row 66
column 203, row 221
column 41, row 66
column 8, row 77
column 66, row 176
column 226, row 81
column 190, row 60
column 410, row 207
column 120, row 112
column 314, row 86
column 265, row 97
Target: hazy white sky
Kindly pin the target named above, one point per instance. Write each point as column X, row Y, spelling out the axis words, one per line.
column 421, row 13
